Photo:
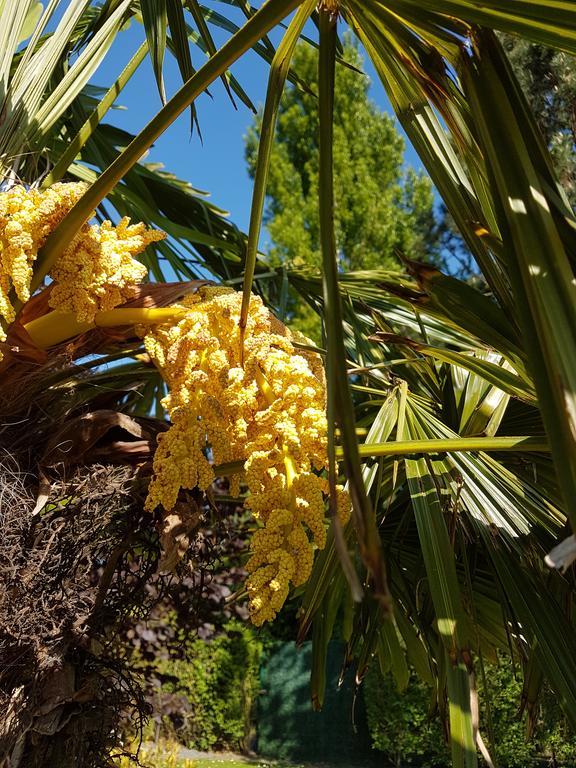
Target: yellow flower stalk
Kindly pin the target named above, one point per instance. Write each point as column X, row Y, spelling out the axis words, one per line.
column 56, row 327
column 263, row 402
column 94, row 274
column 27, row 216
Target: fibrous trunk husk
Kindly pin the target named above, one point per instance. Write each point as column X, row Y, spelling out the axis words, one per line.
column 74, row 572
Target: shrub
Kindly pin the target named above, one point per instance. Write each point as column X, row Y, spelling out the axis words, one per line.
column 206, row 699
column 551, row 738
column 402, row 728
column 399, row 723
column 161, row 755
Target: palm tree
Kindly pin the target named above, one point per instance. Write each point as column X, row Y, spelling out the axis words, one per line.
column 467, row 472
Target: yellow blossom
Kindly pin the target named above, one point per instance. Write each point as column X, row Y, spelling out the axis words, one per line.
column 254, row 396
column 27, row 217
column 179, row 462
column 266, row 406
column 97, row 271
column 343, row 504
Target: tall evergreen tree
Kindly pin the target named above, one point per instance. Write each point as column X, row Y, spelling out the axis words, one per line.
column 548, row 79
column 382, row 207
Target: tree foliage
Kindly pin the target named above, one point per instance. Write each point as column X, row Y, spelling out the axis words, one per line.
column 548, row 78
column 205, row 698
column 382, row 209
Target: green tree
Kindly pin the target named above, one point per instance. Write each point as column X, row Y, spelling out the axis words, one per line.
column 382, row 208
column 548, row 79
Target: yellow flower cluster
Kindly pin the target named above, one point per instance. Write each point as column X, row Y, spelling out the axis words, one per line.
column 97, row 271
column 260, row 400
column 26, row 219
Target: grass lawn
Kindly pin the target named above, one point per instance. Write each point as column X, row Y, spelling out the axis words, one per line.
column 242, row 764
column 163, row 756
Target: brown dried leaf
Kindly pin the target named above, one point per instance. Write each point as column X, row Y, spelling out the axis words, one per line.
column 177, row 526
column 19, row 347
column 150, row 295
column 35, row 307
column 75, row 440
column 122, row 451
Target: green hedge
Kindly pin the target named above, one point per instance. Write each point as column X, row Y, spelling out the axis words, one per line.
column 402, row 727
column 552, row 736
column 206, row 700
column 399, row 723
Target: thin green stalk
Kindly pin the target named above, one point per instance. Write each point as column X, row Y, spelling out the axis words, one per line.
column 271, row 14
column 95, row 118
column 339, row 397
column 456, row 445
column 278, row 73
column 414, row 447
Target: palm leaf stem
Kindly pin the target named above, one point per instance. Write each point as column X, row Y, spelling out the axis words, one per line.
column 456, row 445
column 340, row 403
column 521, row 443
column 261, row 22
column 95, row 118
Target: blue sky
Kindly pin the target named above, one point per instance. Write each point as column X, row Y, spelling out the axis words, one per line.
column 217, row 164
